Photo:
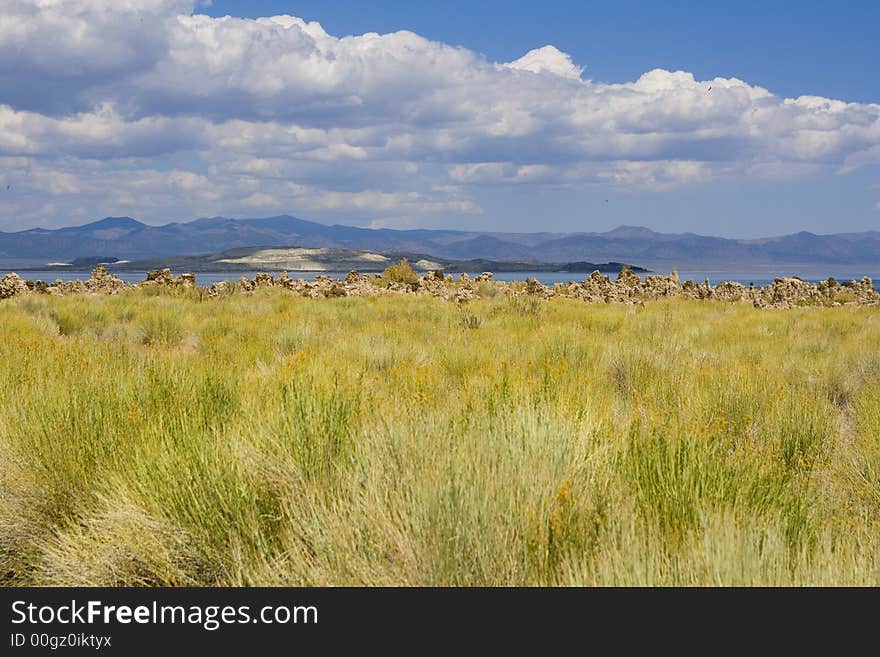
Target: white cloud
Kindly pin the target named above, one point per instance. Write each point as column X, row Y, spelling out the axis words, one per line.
column 53, row 51
column 141, row 101
column 548, row 60
column 101, row 133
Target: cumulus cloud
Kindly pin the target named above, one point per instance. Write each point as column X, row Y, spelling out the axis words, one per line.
column 143, row 103
column 54, row 52
column 548, row 59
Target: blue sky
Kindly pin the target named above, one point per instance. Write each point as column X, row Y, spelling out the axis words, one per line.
column 738, row 119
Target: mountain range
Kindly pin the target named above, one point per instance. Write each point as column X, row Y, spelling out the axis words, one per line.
column 129, row 239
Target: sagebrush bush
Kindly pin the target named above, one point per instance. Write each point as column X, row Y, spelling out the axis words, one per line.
column 401, row 272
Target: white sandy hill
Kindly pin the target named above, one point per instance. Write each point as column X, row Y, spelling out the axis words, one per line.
column 302, row 259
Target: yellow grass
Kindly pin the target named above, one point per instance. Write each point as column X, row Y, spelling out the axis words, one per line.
column 153, row 438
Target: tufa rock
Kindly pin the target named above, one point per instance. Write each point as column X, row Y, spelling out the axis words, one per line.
column 12, row 285
column 164, row 278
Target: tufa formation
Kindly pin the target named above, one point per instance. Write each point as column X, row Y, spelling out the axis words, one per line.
column 628, row 288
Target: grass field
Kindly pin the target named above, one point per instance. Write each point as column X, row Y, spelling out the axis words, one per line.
column 150, row 438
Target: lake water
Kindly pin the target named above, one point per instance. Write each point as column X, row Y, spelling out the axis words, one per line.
column 547, row 278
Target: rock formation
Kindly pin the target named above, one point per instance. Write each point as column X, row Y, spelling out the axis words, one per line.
column 628, row 288
column 218, row 289
column 434, row 284
column 164, row 277
column 12, row 285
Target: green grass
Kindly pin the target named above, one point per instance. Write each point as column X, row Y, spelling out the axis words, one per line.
column 156, row 439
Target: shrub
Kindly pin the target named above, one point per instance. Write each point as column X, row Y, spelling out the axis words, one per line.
column 401, row 272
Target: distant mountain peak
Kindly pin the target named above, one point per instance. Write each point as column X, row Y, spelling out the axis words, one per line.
column 114, row 222
column 631, row 231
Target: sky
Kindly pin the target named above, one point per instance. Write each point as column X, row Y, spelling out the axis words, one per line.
column 741, row 119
